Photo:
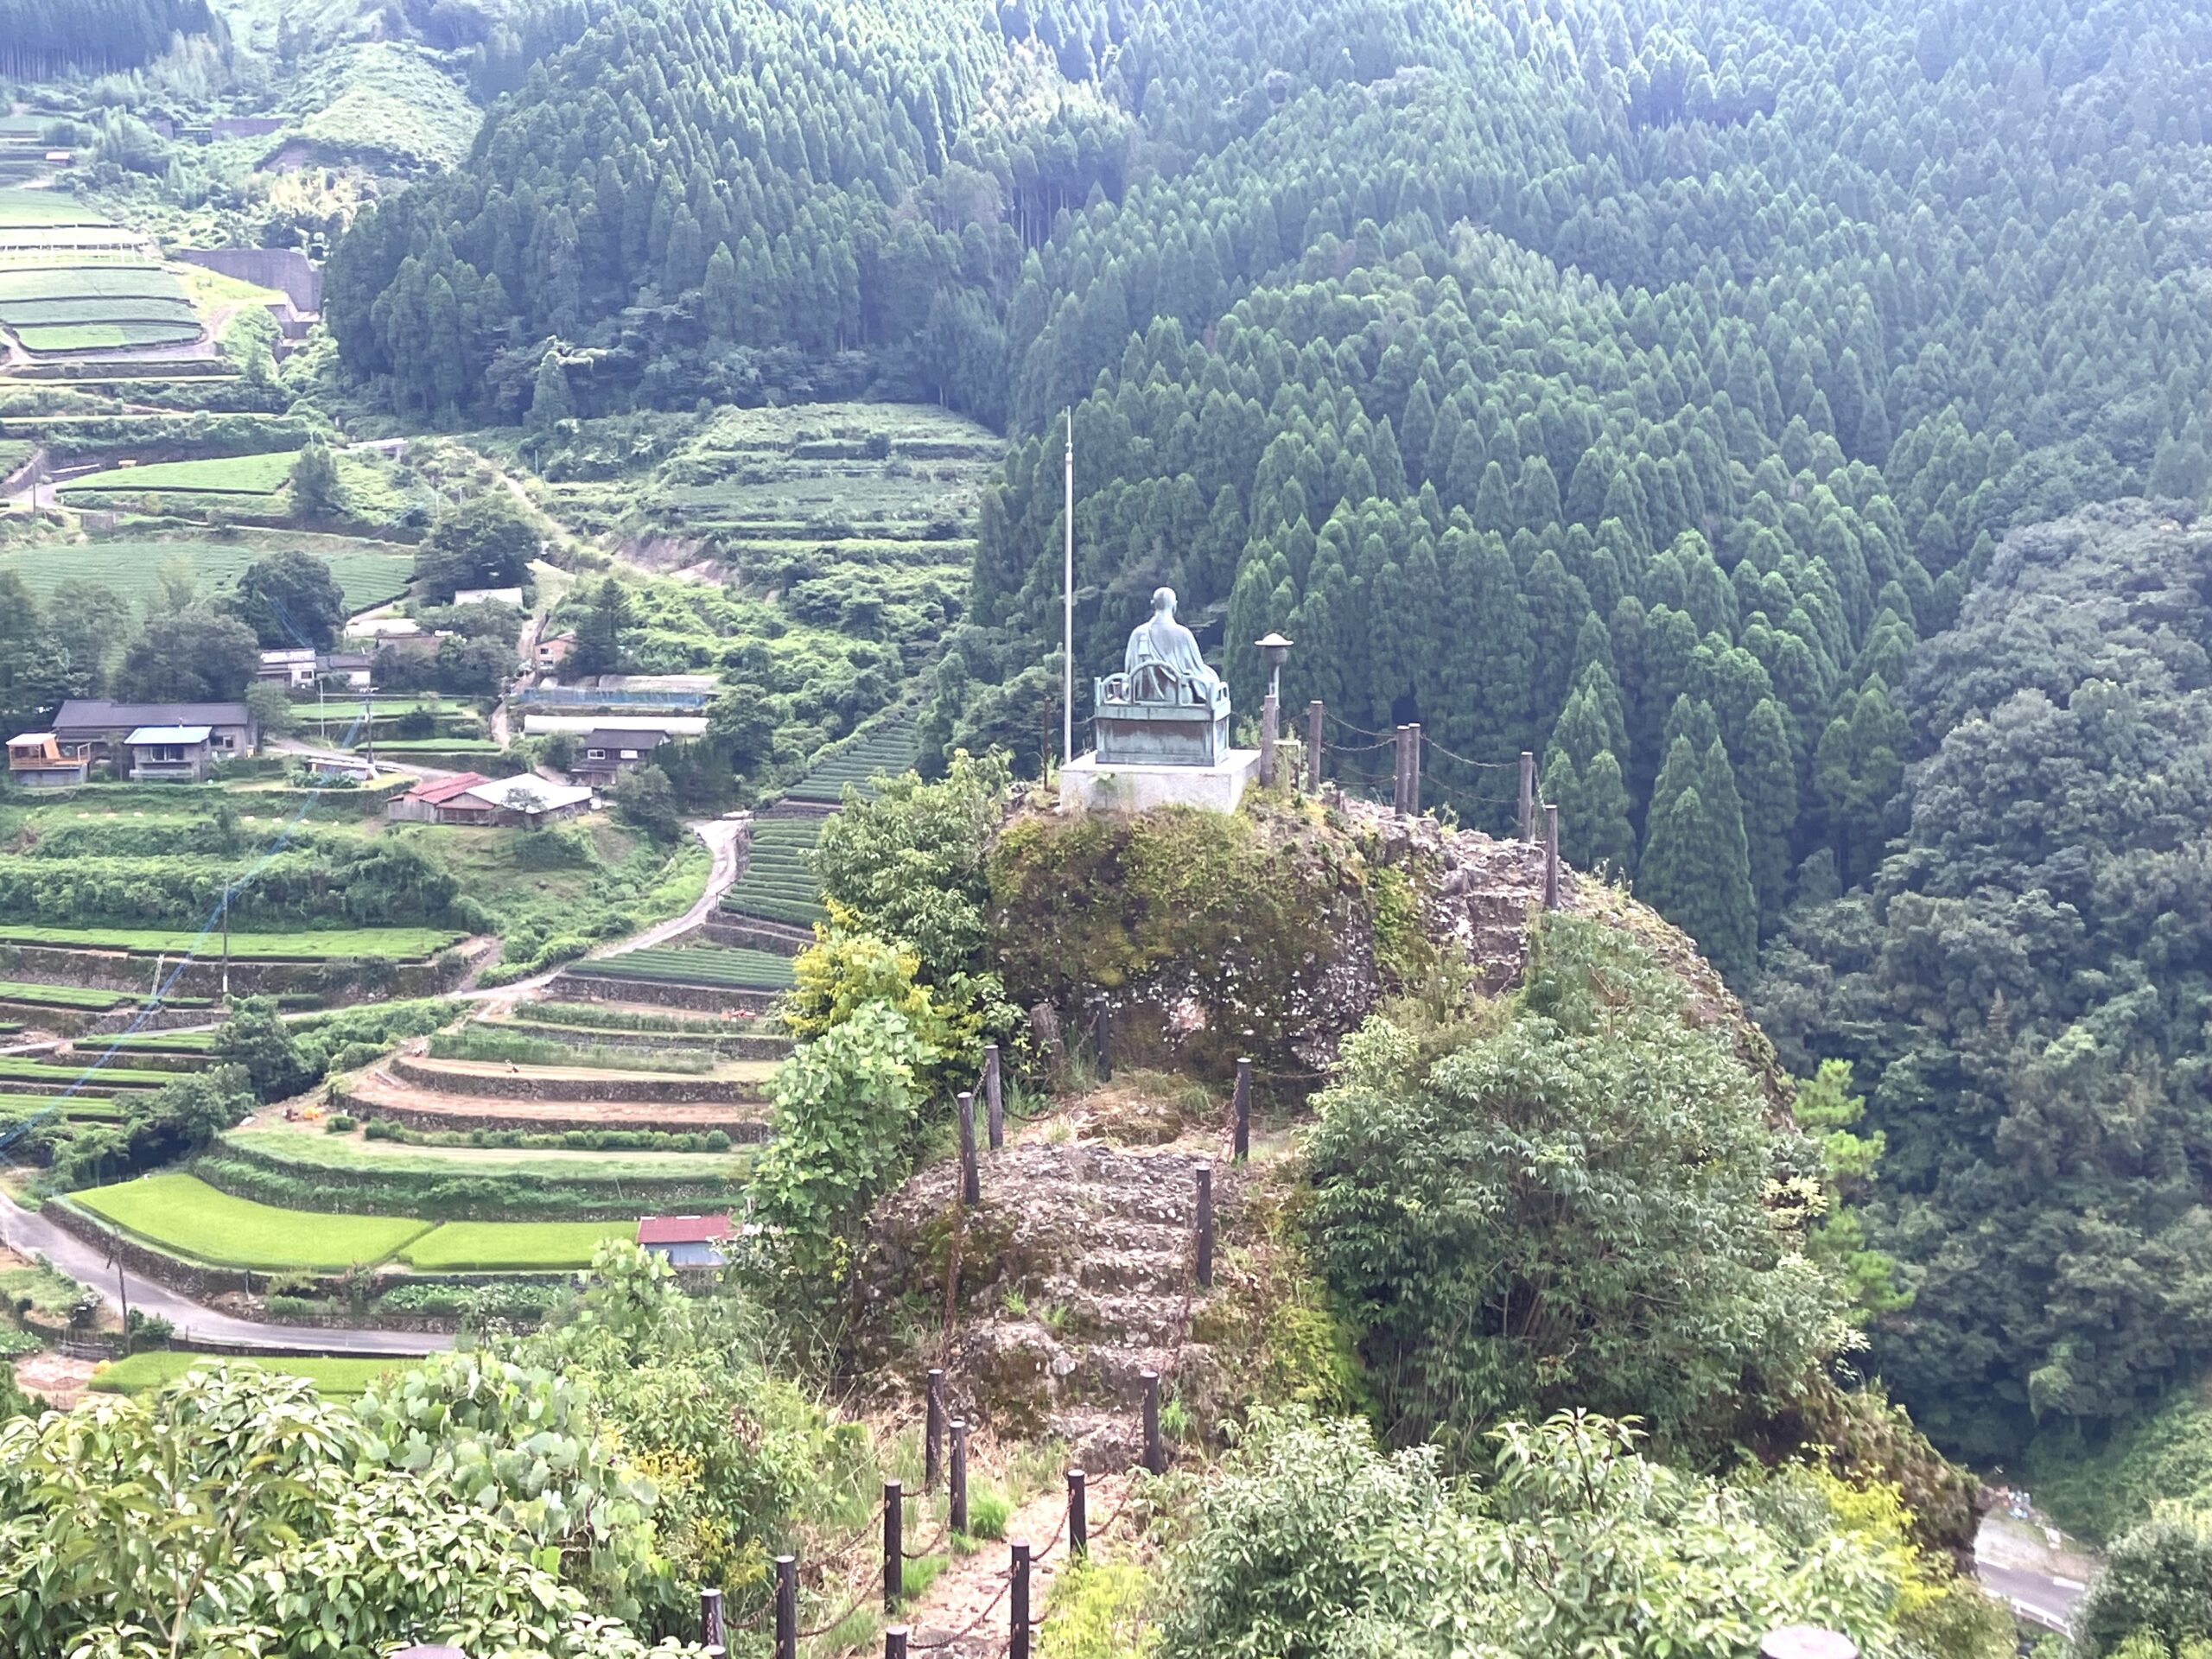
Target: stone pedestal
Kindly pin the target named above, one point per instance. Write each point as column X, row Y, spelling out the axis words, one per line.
column 1089, row 785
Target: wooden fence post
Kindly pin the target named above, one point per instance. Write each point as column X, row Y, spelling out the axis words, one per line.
column 933, row 1430
column 786, row 1607
column 1398, row 775
column 1105, row 1042
column 1528, row 795
column 956, row 1484
column 993, row 1097
column 894, row 1641
column 971, row 1178
column 712, row 1636
column 1551, row 858
column 1413, row 769
column 1270, row 716
column 1205, row 1226
column 1314, row 746
column 1018, row 1603
column 1155, row 1454
column 1240, row 1112
column 1078, row 1516
column 894, row 1545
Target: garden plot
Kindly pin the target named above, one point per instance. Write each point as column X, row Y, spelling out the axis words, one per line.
column 777, row 886
column 395, row 943
column 709, row 965
column 333, row 1379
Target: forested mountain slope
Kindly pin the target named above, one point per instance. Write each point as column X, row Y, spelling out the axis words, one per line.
column 1641, row 384
column 2025, row 985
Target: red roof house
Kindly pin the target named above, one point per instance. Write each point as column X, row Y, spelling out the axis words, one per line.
column 685, row 1241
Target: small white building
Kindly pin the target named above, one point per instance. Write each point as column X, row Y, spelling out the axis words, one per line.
column 489, row 596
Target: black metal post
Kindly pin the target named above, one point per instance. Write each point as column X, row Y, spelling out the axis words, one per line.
column 1269, row 717
column 956, row 1487
column 1240, row 1112
column 1155, row 1454
column 933, row 1431
column 711, row 1633
column 1018, row 1604
column 1078, row 1516
column 971, row 1178
column 786, row 1607
column 1205, row 1226
column 894, row 1546
column 993, row 1097
column 894, row 1641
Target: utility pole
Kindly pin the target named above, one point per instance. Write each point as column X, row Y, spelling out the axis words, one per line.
column 1067, row 612
column 226, row 942
column 369, row 702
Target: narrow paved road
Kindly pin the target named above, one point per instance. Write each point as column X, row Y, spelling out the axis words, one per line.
column 721, row 836
column 28, row 1233
column 2039, row 1598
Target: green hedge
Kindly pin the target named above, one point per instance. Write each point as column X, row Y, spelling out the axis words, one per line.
column 383, row 1128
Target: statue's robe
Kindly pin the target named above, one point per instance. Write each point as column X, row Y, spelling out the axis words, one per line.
column 1166, row 642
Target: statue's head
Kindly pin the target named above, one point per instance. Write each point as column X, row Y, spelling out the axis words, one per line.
column 1163, row 602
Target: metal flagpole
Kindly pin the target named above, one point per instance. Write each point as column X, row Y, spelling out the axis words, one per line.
column 1067, row 614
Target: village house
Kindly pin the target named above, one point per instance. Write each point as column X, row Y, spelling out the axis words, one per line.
column 684, row 1240
column 472, row 798
column 604, row 755
column 38, row 760
column 170, row 754
column 299, row 669
column 103, row 731
column 553, row 648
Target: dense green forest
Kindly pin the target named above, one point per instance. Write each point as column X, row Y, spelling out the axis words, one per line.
column 44, row 37
column 1641, row 385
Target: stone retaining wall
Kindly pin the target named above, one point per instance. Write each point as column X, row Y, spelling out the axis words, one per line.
column 736, row 1047
column 699, row 998
column 663, row 1091
column 194, row 1279
column 741, row 1129
column 750, row 933
column 202, row 975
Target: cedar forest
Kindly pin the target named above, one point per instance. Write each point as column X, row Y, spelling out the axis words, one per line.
column 1788, row 420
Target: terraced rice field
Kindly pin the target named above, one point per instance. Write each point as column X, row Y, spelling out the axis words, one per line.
column 777, row 886
column 185, row 1216
column 698, row 964
column 333, row 1379
column 512, row 1245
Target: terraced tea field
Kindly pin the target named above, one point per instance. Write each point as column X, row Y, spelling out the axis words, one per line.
column 71, row 280
column 262, row 474
column 370, row 572
column 698, row 964
column 887, row 748
column 399, row 943
column 777, row 886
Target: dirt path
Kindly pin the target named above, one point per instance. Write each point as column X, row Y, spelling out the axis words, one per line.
column 968, row 1609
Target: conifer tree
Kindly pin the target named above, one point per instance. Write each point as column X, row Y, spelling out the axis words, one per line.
column 1691, row 874
column 1766, row 778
